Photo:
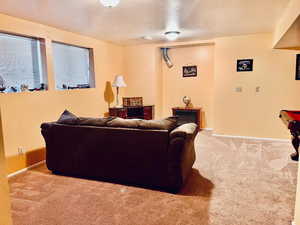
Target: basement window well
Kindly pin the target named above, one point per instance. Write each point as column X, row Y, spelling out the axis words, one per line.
column 21, row 64
column 73, row 66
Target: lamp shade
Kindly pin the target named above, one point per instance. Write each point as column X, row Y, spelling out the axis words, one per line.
column 119, row 81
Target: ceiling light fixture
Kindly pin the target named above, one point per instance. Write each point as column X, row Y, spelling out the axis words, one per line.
column 172, row 35
column 148, row 38
column 110, row 3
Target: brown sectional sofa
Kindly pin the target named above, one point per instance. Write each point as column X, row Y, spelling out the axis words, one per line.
column 154, row 154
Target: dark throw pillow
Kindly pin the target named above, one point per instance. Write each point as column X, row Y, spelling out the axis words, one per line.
column 169, row 124
column 68, row 118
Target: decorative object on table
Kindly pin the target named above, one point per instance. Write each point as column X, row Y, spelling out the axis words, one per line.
column 133, row 101
column 244, row 65
column 298, row 67
column 2, row 84
column 130, row 112
column 24, row 87
column 119, row 82
column 187, row 101
column 187, row 115
column 189, row 71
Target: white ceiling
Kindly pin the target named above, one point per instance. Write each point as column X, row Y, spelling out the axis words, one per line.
column 133, row 19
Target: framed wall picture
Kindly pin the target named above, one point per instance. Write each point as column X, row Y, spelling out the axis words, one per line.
column 189, row 71
column 244, row 65
column 298, row 67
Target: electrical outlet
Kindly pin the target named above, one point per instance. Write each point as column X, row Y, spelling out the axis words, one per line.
column 20, row 151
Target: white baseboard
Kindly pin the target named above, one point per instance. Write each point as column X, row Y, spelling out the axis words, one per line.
column 25, row 169
column 253, row 138
column 208, row 129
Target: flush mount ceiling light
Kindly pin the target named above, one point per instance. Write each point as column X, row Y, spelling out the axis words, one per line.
column 172, row 35
column 110, row 3
column 148, row 38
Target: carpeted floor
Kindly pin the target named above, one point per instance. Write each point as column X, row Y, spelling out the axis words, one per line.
column 234, row 182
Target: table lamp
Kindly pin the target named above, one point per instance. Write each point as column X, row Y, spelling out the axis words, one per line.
column 119, row 82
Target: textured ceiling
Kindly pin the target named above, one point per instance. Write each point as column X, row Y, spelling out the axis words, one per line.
column 133, row 19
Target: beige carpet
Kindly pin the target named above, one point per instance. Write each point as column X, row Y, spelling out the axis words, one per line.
column 234, row 182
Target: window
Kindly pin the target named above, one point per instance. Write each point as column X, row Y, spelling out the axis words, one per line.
column 72, row 66
column 21, row 66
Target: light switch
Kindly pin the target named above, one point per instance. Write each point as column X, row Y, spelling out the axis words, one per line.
column 238, row 89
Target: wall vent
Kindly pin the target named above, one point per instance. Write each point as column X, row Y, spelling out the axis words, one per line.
column 166, row 57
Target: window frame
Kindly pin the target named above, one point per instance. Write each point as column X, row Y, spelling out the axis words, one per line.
column 41, row 47
column 91, row 71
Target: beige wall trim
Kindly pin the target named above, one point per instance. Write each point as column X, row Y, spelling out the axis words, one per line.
column 207, row 129
column 253, row 138
column 18, row 162
column 25, row 169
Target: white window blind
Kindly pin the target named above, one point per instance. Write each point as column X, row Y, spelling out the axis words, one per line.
column 71, row 65
column 20, row 62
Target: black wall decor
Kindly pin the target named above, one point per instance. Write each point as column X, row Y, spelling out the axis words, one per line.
column 244, row 65
column 189, row 71
column 298, row 67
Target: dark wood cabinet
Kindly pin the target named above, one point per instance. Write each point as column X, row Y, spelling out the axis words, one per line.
column 188, row 115
column 134, row 112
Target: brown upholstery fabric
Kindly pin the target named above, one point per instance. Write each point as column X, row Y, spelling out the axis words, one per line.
column 71, row 119
column 165, row 124
column 184, row 130
column 97, row 122
column 143, row 157
column 68, row 118
column 120, row 122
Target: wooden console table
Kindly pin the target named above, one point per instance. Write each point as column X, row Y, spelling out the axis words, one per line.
column 134, row 112
column 188, row 115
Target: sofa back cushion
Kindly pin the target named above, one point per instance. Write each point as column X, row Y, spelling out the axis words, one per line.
column 97, row 122
column 164, row 124
column 120, row 122
column 69, row 118
column 169, row 124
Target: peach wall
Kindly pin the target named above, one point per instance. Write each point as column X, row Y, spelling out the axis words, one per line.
column 250, row 113
column 5, row 216
column 199, row 88
column 22, row 113
column 142, row 66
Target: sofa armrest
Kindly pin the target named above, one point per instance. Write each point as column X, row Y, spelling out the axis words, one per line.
column 187, row 129
column 181, row 155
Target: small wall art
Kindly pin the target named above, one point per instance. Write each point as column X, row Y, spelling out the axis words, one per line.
column 244, row 65
column 189, row 71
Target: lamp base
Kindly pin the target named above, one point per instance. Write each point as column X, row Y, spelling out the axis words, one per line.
column 118, row 106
